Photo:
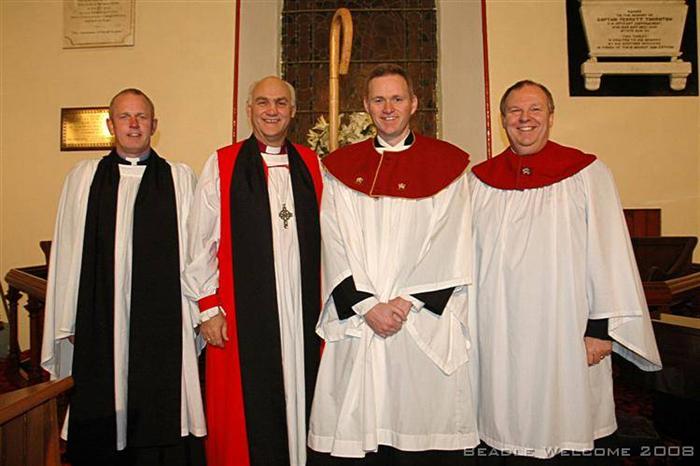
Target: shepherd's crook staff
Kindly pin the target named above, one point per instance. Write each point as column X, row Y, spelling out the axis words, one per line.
column 342, row 21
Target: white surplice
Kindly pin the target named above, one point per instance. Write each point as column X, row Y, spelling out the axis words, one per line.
column 411, row 390
column 64, row 281
column 547, row 260
column 202, row 277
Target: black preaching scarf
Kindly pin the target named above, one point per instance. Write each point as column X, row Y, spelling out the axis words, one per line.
column 155, row 340
column 257, row 315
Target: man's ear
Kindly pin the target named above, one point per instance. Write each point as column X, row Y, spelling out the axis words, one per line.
column 110, row 126
column 414, row 104
column 154, row 126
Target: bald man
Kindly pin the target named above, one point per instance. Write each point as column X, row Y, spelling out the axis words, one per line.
column 114, row 305
column 254, row 271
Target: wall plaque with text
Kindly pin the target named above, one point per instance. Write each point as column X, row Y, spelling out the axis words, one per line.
column 85, row 128
column 98, row 23
column 623, row 31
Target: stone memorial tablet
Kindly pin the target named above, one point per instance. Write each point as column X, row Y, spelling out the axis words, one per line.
column 629, row 29
column 98, row 23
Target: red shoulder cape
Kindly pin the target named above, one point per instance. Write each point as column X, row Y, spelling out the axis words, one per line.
column 227, row 441
column 422, row 170
column 552, row 164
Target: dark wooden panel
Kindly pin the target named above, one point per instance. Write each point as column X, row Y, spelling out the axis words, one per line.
column 29, row 425
column 14, row 443
column 643, row 222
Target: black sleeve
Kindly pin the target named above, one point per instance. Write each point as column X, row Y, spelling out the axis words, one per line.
column 597, row 328
column 345, row 296
column 435, row 301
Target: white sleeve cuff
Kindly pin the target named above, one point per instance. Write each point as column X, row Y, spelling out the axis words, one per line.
column 211, row 312
column 416, row 303
column 364, row 306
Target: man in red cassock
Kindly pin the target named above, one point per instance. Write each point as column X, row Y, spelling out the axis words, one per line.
column 254, row 265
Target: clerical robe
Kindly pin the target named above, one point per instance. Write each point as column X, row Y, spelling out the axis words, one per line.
column 255, row 253
column 552, row 252
column 131, row 380
column 394, row 224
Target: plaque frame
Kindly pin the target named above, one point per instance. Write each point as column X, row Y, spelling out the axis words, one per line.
column 74, row 120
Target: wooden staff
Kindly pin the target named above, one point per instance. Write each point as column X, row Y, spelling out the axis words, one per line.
column 342, row 21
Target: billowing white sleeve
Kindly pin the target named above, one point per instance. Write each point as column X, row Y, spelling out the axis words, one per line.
column 64, row 271
column 445, row 261
column 201, row 275
column 335, row 268
column 185, row 181
column 445, row 257
column 614, row 288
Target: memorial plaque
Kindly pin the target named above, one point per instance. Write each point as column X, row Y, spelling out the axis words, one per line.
column 632, row 47
column 98, row 23
column 85, row 128
column 635, row 28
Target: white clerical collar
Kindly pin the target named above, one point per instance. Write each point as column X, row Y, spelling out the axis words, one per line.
column 273, row 150
column 276, row 160
column 403, row 144
column 136, row 160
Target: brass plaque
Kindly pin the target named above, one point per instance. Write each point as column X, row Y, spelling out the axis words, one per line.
column 85, row 128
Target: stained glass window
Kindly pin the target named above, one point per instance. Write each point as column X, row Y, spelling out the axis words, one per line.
column 395, row 31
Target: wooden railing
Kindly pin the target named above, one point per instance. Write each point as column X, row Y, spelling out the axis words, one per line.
column 29, row 425
column 29, row 281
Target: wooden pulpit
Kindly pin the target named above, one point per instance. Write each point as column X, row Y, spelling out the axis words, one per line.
column 671, row 281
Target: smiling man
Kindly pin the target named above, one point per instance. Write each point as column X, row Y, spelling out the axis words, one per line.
column 395, row 224
column 558, row 289
column 115, row 315
column 254, row 271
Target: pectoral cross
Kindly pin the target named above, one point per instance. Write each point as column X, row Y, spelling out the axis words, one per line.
column 285, row 215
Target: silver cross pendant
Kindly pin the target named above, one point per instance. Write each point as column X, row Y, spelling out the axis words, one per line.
column 285, row 215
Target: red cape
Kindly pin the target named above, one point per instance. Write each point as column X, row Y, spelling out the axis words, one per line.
column 422, row 170
column 227, row 442
column 552, row 164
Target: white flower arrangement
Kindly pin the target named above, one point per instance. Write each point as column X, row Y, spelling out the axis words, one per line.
column 357, row 127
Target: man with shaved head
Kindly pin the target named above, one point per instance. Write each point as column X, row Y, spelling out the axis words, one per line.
column 115, row 312
column 254, row 270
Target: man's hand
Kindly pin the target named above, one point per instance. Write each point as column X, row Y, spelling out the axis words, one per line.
column 215, row 331
column 402, row 305
column 385, row 319
column 597, row 349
